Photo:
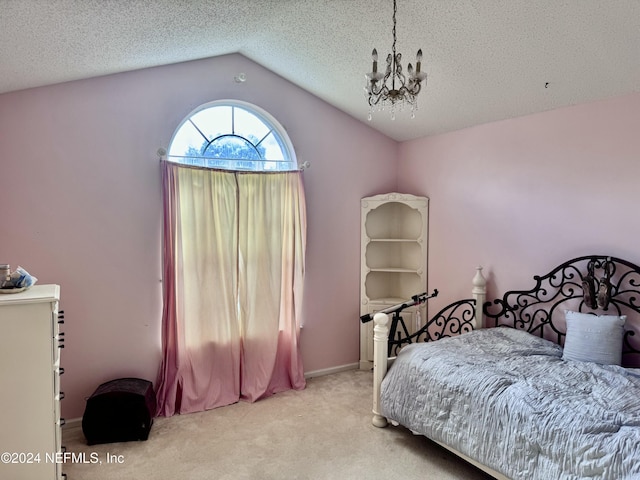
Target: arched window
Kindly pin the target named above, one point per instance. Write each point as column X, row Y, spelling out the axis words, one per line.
column 232, row 135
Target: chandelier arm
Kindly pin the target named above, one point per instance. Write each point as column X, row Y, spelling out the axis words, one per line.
column 376, row 96
column 398, row 74
column 416, row 89
column 381, row 84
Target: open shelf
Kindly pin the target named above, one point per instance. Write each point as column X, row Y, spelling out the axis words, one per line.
column 396, row 255
column 394, row 220
column 390, row 284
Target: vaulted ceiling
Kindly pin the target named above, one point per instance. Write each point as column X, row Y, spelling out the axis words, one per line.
column 486, row 59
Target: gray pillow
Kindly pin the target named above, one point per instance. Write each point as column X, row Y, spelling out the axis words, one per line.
column 594, row 338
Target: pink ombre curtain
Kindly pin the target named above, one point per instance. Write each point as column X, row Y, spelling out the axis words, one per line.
column 234, row 248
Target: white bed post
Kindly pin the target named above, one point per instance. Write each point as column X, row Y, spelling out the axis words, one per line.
column 479, row 293
column 380, row 353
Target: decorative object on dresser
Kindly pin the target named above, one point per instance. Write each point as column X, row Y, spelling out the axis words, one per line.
column 5, row 274
column 30, row 376
column 15, row 282
column 572, row 412
column 393, row 261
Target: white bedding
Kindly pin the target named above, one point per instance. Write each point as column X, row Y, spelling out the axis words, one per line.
column 506, row 399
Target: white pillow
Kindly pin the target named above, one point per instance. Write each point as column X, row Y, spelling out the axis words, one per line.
column 594, row 338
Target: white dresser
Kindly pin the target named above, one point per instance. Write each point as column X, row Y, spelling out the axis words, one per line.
column 30, row 432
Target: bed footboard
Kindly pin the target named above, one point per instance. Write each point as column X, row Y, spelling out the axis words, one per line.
column 469, row 319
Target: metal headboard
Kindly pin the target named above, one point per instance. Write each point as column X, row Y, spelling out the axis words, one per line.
column 594, row 283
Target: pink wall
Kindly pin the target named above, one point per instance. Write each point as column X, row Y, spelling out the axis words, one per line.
column 520, row 196
column 80, row 196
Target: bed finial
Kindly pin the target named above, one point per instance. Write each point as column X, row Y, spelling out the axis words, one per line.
column 479, row 293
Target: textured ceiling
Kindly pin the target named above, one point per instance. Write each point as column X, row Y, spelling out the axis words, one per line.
column 486, row 59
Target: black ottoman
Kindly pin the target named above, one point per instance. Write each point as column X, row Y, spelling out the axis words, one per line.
column 121, row 410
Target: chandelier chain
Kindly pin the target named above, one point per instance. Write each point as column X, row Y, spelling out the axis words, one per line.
column 395, row 10
column 393, row 78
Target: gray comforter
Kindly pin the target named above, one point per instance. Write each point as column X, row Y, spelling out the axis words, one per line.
column 507, row 399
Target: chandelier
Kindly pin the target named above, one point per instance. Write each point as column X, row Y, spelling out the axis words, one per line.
column 403, row 89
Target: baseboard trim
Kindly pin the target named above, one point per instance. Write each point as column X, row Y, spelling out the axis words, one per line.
column 72, row 423
column 329, row 371
column 77, row 422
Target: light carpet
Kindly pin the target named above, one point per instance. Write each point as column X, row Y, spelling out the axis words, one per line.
column 322, row 432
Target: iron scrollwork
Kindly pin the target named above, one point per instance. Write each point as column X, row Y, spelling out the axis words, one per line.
column 573, row 285
column 596, row 284
column 452, row 320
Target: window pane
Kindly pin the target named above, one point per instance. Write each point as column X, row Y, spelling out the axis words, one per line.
column 273, row 150
column 232, row 147
column 249, row 126
column 213, row 122
column 184, row 138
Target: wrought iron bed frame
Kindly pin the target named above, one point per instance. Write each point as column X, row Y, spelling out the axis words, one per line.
column 595, row 283
column 610, row 285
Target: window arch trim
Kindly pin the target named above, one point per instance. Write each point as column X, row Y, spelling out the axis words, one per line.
column 288, row 161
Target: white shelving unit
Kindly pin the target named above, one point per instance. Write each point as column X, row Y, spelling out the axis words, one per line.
column 393, row 261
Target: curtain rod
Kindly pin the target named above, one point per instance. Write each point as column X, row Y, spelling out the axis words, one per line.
column 162, row 154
